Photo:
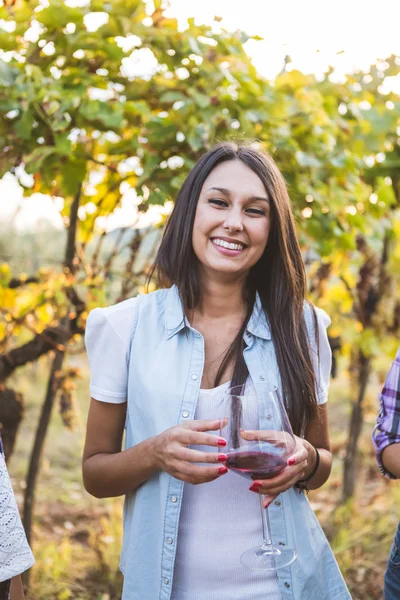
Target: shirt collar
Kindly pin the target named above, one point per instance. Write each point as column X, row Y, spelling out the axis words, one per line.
column 175, row 320
column 258, row 324
column 174, row 316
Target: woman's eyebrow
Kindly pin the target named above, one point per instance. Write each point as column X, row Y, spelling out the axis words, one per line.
column 228, row 193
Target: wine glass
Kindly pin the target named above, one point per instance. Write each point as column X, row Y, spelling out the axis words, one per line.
column 260, row 412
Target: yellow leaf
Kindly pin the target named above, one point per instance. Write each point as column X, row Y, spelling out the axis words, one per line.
column 7, row 298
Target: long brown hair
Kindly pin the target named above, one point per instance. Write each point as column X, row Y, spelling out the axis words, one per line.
column 278, row 277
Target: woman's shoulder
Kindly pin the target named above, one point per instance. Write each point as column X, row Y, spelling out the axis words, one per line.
column 313, row 314
column 123, row 316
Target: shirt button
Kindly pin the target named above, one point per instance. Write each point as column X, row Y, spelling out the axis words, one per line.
column 166, row 580
column 194, row 377
column 185, row 414
column 174, row 499
column 277, row 503
column 262, row 377
column 170, row 541
column 287, row 585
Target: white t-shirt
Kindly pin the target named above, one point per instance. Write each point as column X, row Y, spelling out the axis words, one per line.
column 219, row 521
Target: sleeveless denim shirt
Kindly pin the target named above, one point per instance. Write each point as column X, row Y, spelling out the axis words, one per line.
column 165, row 366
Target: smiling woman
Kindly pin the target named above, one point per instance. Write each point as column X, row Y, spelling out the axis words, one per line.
column 234, row 313
column 232, row 219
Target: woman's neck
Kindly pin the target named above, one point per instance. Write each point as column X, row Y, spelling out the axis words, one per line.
column 221, row 299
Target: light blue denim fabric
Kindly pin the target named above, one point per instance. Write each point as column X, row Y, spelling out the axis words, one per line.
column 392, row 575
column 165, row 371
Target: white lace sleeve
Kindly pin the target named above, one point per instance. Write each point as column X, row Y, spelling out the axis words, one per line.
column 15, row 553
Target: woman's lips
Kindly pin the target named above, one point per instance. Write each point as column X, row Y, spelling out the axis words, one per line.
column 227, row 251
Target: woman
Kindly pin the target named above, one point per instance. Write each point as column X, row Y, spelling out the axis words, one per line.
column 235, row 310
column 15, row 554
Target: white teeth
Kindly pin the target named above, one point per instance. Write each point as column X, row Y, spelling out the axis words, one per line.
column 228, row 245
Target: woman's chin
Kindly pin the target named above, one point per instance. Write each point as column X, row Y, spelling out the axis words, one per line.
column 223, row 269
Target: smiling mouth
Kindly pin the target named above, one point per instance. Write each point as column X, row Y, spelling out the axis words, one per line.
column 236, row 246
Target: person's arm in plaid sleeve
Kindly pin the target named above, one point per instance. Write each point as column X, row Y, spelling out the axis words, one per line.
column 386, row 435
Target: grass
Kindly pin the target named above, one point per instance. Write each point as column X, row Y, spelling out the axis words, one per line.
column 77, row 538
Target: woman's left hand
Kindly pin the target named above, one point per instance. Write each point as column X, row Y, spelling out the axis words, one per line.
column 293, row 472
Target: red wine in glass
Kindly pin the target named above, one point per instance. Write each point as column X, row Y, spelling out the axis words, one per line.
column 256, row 464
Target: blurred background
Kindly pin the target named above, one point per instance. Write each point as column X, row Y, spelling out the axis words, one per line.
column 105, row 106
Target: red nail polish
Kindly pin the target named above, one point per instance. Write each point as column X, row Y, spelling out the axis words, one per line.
column 255, row 487
column 291, row 461
column 221, row 442
column 222, row 458
column 222, row 470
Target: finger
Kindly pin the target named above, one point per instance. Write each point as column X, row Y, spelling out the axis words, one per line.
column 196, row 456
column 285, row 475
column 196, row 438
column 197, row 474
column 284, row 479
column 254, row 435
column 267, row 435
column 205, row 425
column 298, row 457
column 280, row 489
column 273, row 490
column 268, row 500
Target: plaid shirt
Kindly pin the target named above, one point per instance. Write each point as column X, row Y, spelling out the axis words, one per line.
column 387, row 429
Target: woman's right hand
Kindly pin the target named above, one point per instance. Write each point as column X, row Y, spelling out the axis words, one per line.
column 171, row 452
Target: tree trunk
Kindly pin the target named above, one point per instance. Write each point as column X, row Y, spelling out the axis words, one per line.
column 36, row 455
column 11, row 412
column 356, row 423
column 65, row 327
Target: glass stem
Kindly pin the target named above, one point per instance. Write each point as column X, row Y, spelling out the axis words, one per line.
column 267, row 541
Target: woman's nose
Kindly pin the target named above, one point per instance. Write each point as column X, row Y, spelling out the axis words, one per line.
column 233, row 221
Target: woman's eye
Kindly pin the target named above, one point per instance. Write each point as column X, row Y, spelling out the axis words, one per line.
column 256, row 211
column 218, row 202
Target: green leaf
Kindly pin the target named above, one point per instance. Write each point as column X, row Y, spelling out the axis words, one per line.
column 34, row 160
column 58, row 15
column 157, row 197
column 23, row 127
column 171, row 96
column 73, row 173
column 109, row 114
column 202, row 100
column 63, row 144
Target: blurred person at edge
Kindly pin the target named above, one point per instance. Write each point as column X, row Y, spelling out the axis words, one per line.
column 386, row 439
column 235, row 312
column 15, row 553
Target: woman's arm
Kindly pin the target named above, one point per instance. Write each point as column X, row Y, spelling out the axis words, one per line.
column 16, row 589
column 108, row 472
column 317, row 436
column 386, row 434
column 390, row 458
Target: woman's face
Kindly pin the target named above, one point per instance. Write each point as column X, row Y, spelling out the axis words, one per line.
column 232, row 220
